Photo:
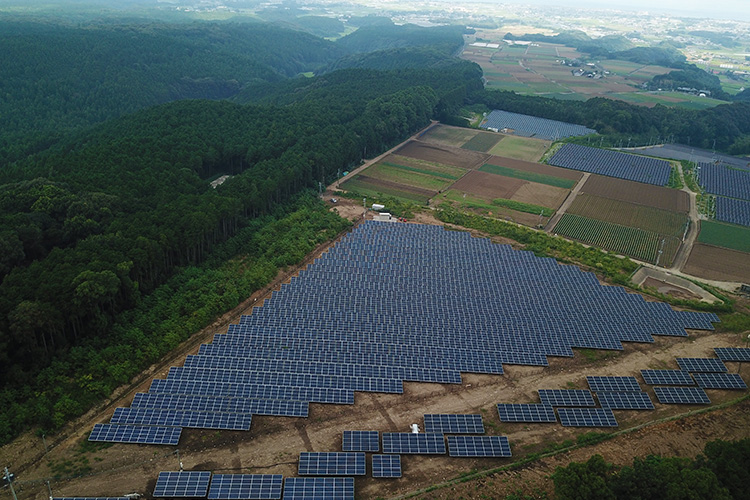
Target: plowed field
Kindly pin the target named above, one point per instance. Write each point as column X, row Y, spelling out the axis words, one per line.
column 629, row 214
column 716, row 263
column 637, row 192
column 443, row 154
column 539, row 168
column 488, row 186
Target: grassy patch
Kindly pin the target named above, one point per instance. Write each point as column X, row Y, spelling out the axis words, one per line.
column 523, row 207
column 422, row 171
column 373, row 191
column 528, row 176
column 725, row 235
column 407, row 176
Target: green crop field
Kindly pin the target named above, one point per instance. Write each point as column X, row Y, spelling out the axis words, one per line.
column 725, row 235
column 520, row 148
column 637, row 243
column 522, row 213
column 372, row 190
column 427, row 167
column 484, row 141
column 408, row 176
column 528, row 176
column 650, row 219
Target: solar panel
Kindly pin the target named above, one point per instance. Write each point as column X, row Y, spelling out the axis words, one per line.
column 183, row 418
column 453, row 423
column 534, row 413
column 478, row 446
column 704, row 365
column 587, row 417
column 667, row 377
column 625, row 400
column 733, row 353
column 386, row 466
column 331, row 464
column 566, row 397
column 142, row 434
column 720, row 381
column 182, row 484
column 413, row 443
column 361, row 441
column 613, row 384
column 682, row 395
column 319, row 488
column 245, row 487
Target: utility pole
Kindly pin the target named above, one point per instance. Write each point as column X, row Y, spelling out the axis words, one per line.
column 10, row 483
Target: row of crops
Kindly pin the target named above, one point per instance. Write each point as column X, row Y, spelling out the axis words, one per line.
column 649, row 219
column 647, row 246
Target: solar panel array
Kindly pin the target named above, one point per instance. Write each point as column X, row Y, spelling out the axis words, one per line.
column 733, row 211
column 314, row 463
column 533, row 413
column 181, row 418
column 140, row 434
column 412, row 443
column 681, row 395
column 720, row 381
column 566, row 397
column 356, row 320
column 319, row 488
column 361, row 441
column 587, row 417
column 625, row 400
column 245, row 487
column 704, row 365
column 532, row 126
column 182, row 484
column 478, row 446
column 386, row 466
column 720, row 179
column 612, row 164
column 454, row 424
column 667, row 377
column 613, row 384
column 733, row 353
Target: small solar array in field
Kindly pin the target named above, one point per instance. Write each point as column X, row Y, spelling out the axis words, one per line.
column 532, row 126
column 454, row 424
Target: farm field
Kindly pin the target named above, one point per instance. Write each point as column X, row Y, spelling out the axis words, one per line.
column 725, row 235
column 488, row 186
column 445, row 155
column 483, row 141
column 373, row 187
column 468, row 202
column 650, row 219
column 538, row 70
column 539, row 168
column 635, row 192
column 637, row 243
column 716, row 263
column 527, row 175
column 449, row 136
column 521, row 148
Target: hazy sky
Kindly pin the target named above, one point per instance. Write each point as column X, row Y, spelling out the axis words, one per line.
column 722, row 9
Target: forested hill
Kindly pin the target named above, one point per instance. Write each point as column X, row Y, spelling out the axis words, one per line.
column 91, row 228
column 59, row 78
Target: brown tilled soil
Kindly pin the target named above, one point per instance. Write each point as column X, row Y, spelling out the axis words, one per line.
column 636, row 192
column 396, row 185
column 488, row 186
column 541, row 194
column 716, row 263
column 443, row 154
column 538, row 168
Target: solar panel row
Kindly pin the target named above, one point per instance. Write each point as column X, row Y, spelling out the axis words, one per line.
column 533, row 413
column 245, row 487
column 566, row 397
column 331, row 464
column 532, row 126
column 610, row 384
column 386, row 466
column 361, row 441
column 412, row 443
column 453, row 424
column 587, row 417
column 319, row 488
column 478, row 446
column 182, row 484
column 114, row 433
column 612, row 164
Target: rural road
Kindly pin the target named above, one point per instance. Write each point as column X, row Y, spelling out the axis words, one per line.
column 692, row 234
column 566, row 204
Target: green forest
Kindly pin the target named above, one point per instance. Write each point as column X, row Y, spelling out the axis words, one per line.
column 114, row 247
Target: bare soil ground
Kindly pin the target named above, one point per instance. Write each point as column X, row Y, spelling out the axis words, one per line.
column 395, row 185
column 715, row 263
column 538, row 168
column 670, row 289
column 488, row 186
column 443, row 154
column 448, row 135
column 541, row 194
column 636, row 192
